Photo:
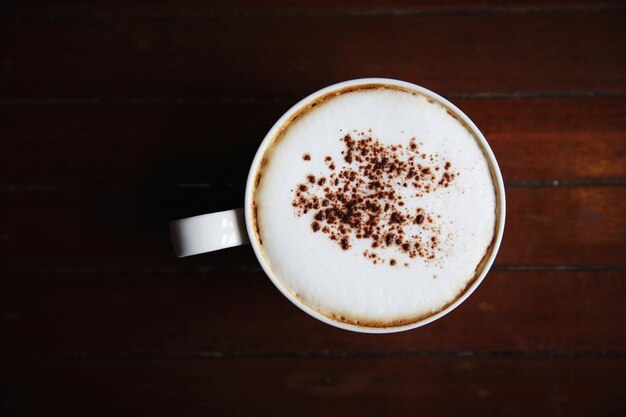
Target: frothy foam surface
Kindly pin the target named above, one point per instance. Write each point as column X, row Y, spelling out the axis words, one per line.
column 341, row 262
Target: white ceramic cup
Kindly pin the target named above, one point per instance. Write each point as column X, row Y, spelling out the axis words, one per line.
column 225, row 229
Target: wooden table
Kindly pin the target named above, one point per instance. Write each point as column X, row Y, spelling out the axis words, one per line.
column 116, row 117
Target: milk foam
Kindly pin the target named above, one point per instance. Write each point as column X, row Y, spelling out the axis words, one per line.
column 343, row 283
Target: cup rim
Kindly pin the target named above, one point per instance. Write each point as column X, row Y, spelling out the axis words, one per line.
column 496, row 175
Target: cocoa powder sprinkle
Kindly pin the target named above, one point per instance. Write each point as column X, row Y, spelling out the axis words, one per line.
column 358, row 199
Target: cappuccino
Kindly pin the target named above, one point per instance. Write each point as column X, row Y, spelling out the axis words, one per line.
column 375, row 206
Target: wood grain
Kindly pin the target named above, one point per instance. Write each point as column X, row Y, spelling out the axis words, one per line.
column 451, row 386
column 82, row 143
column 126, row 227
column 212, row 313
column 271, row 55
column 192, row 8
column 117, row 116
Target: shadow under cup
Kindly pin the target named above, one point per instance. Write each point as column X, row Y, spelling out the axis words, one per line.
column 253, row 205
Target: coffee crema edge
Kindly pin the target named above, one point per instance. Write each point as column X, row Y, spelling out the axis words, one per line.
column 360, row 321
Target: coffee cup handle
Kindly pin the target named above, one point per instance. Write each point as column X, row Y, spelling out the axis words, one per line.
column 208, row 232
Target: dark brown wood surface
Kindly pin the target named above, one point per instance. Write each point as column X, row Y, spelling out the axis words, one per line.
column 140, row 141
column 241, row 313
column 116, row 117
column 314, row 386
column 272, row 55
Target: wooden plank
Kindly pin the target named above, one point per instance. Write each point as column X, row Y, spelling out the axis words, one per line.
column 551, row 225
column 161, row 142
column 244, row 314
column 268, row 55
column 128, row 227
column 445, row 386
column 191, row 8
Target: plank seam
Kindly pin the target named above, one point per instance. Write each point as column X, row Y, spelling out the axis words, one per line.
column 294, row 13
column 309, row 354
column 257, row 269
column 541, row 183
column 25, row 101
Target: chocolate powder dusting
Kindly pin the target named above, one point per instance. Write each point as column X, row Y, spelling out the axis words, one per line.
column 362, row 199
